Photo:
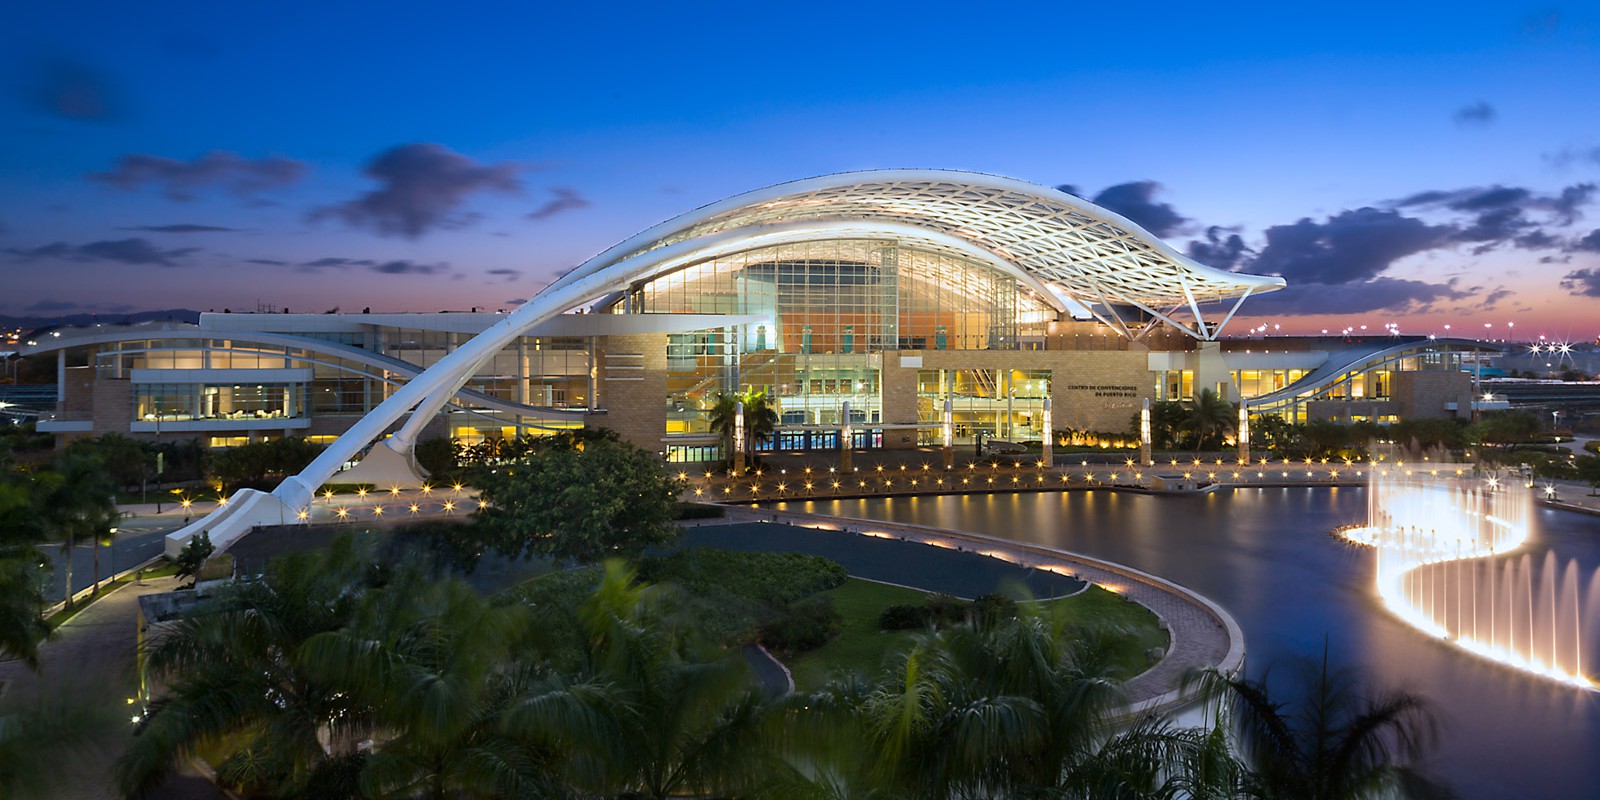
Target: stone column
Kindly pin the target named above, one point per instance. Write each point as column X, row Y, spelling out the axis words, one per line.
column 845, row 435
column 1244, row 434
column 1144, row 434
column 738, row 439
column 947, row 434
column 1049, row 436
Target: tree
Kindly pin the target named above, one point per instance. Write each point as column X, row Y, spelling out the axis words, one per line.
column 1210, row 413
column 1332, row 741
column 584, row 498
column 193, row 555
column 684, row 717
column 760, row 420
column 1588, row 468
column 232, row 670
column 464, row 716
column 256, row 464
column 1019, row 707
column 80, row 504
column 21, row 565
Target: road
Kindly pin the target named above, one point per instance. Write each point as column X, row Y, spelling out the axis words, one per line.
column 137, row 540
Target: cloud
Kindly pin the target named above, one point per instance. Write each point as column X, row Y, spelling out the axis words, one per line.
column 1568, row 156
column 1499, row 215
column 1380, row 294
column 1135, row 200
column 1216, row 250
column 182, row 180
column 1584, row 282
column 420, row 187
column 1477, row 115
column 181, row 228
column 1589, row 243
column 510, row 274
column 516, row 301
column 126, row 251
column 266, row 262
column 566, row 199
column 1350, row 246
column 340, row 263
column 71, row 89
column 409, row 268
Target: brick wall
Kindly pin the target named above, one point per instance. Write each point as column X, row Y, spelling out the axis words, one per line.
column 632, row 382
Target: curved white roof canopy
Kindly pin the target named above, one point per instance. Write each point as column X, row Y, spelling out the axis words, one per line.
column 1043, row 237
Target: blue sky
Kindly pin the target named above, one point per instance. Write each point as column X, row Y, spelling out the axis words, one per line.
column 1439, row 153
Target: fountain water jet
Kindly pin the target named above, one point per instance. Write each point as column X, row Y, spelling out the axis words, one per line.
column 1429, row 534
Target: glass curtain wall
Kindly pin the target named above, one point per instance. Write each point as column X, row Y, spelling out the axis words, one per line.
column 830, row 309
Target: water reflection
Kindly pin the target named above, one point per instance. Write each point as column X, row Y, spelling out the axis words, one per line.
column 1266, row 556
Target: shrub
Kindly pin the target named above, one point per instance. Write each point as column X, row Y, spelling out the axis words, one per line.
column 809, row 624
column 943, row 609
column 993, row 608
column 902, row 618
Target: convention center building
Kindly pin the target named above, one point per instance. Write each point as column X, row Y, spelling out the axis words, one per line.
column 883, row 295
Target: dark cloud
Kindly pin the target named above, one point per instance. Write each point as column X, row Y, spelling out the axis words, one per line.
column 1493, row 298
column 420, row 188
column 1583, row 281
column 509, row 274
column 1589, row 243
column 409, row 268
column 1536, row 240
column 1350, row 246
column 1381, row 294
column 516, row 301
column 1478, row 115
column 126, row 251
column 340, row 263
column 1136, row 201
column 71, row 89
column 267, row 262
column 1219, row 250
column 181, row 180
column 181, row 228
column 566, row 199
column 1499, row 215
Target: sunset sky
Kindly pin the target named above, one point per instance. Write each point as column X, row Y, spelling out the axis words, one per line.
column 1419, row 163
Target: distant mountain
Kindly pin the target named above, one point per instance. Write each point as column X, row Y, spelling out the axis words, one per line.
column 79, row 320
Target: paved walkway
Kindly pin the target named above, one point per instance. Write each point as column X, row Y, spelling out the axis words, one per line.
column 1202, row 633
column 91, row 660
column 1569, row 495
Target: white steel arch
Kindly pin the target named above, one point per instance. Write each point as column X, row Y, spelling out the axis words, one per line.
column 1054, row 243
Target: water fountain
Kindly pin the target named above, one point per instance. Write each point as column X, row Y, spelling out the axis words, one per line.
column 1439, row 544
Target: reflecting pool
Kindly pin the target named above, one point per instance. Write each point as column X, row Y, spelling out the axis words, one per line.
column 1265, row 554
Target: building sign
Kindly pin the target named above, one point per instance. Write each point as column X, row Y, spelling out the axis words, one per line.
column 1105, row 390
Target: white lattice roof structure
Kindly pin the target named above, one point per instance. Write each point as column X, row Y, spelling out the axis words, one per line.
column 1060, row 246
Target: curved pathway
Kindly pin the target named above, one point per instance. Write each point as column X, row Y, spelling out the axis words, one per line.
column 1203, row 635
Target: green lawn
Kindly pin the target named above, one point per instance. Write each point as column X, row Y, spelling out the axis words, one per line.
column 862, row 648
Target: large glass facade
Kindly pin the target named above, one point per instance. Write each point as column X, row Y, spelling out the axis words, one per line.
column 830, row 310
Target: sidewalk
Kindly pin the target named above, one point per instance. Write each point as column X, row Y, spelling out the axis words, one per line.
column 1569, row 496
column 91, row 660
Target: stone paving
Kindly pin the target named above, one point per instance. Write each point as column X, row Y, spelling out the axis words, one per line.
column 91, row 660
column 1203, row 635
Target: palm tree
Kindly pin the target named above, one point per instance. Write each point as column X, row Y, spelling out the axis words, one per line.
column 232, row 671
column 1005, row 708
column 1210, row 413
column 760, row 419
column 459, row 713
column 685, row 717
column 1332, row 742
column 82, row 503
column 21, row 594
